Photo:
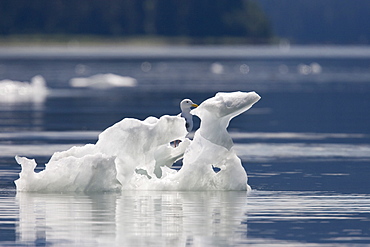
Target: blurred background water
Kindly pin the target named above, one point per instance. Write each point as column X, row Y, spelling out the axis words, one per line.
column 305, row 145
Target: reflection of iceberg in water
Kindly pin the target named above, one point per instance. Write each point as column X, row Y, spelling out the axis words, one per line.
column 16, row 91
column 136, row 155
column 103, row 81
column 132, row 218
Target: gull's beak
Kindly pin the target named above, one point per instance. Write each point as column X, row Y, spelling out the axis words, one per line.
column 194, row 105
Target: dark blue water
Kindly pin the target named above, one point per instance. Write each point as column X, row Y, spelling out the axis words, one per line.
column 305, row 146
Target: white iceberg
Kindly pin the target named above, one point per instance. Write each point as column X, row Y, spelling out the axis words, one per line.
column 103, row 81
column 16, row 91
column 136, row 155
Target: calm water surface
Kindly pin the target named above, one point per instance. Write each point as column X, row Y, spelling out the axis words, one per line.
column 305, row 147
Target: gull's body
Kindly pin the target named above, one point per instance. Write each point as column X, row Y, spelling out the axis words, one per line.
column 185, row 106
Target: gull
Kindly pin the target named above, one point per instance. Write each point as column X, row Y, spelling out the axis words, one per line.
column 186, row 106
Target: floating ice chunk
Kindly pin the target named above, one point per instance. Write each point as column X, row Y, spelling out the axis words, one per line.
column 136, row 155
column 139, row 144
column 70, row 171
column 16, row 91
column 103, row 81
column 69, row 174
column 124, row 157
column 213, row 146
column 216, row 113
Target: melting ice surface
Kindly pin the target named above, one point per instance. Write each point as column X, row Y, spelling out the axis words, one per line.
column 136, row 155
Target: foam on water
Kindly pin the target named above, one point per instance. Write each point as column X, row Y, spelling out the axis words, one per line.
column 136, row 155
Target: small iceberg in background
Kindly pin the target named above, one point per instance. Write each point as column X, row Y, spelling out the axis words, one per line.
column 103, row 81
column 137, row 155
column 16, row 91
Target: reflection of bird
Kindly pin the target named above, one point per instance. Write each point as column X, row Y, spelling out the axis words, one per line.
column 185, row 106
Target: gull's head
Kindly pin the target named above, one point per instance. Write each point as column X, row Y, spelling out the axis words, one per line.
column 186, row 104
